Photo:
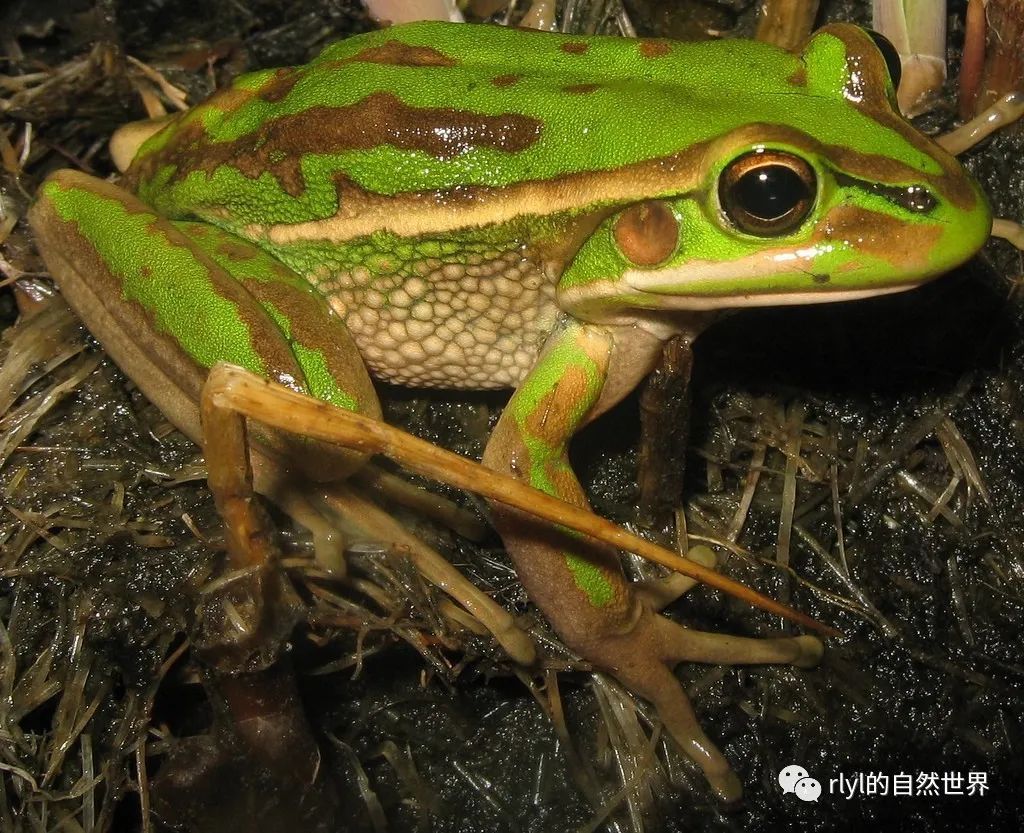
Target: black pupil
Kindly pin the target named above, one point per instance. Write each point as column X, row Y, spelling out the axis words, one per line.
column 769, row 192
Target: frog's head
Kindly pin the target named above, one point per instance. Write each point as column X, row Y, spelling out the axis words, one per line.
column 823, row 193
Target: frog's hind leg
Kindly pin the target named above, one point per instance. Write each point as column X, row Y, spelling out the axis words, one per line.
column 168, row 300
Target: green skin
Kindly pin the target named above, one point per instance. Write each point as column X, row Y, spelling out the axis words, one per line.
column 407, row 197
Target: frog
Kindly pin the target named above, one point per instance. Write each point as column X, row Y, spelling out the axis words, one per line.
column 473, row 207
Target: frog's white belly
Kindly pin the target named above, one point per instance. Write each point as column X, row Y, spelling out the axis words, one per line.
column 475, row 325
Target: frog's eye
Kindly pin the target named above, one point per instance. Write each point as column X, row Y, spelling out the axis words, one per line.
column 647, row 233
column 767, row 192
column 891, row 56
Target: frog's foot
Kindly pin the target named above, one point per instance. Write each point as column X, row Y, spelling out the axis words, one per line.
column 661, row 592
column 351, row 516
column 297, row 499
column 643, row 659
column 337, row 514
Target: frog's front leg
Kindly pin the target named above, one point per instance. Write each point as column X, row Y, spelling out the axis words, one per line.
column 580, row 585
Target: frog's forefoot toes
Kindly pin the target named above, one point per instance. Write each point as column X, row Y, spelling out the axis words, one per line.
column 643, row 660
column 658, row 594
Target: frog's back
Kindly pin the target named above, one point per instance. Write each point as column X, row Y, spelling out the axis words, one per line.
column 436, row 109
column 439, row 107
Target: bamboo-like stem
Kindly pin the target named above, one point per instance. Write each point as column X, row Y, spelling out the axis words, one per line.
column 972, row 66
column 786, row 23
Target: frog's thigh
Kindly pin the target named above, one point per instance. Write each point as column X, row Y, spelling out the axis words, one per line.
column 170, row 299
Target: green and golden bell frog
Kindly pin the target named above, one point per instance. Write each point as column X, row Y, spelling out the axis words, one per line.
column 473, row 207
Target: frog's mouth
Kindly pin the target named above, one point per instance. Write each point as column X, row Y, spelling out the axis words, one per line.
column 681, row 292
column 777, row 299
column 660, row 291
column 823, row 271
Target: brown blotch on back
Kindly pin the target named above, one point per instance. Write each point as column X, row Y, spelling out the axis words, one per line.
column 505, row 80
column 647, row 233
column 654, row 48
column 197, row 230
column 400, row 54
column 235, row 250
column 798, row 78
column 575, row 47
column 581, row 89
column 379, row 119
column 280, row 85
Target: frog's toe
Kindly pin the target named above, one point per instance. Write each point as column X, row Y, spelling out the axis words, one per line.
column 653, row 680
column 811, row 651
column 329, row 550
column 658, row 594
column 395, row 489
column 705, row 556
column 685, row 644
